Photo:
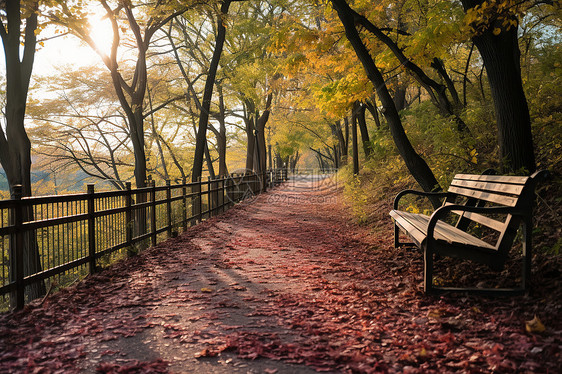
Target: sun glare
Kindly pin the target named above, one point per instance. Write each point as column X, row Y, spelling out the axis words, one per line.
column 102, row 33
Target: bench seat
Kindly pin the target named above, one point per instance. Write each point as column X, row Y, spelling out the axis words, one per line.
column 416, row 226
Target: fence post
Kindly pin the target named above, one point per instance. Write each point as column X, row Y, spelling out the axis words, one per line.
column 17, row 298
column 199, row 200
column 91, row 228
column 221, row 193
column 129, row 218
column 153, row 212
column 184, row 203
column 209, row 197
column 169, row 206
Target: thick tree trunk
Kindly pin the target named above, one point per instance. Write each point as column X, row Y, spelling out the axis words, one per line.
column 15, row 147
column 415, row 164
column 260, row 135
column 501, row 56
column 250, row 148
column 201, row 138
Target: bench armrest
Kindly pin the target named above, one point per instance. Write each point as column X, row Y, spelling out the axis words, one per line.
column 419, row 193
column 445, row 210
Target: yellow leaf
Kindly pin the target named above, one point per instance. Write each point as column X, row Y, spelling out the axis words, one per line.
column 497, row 31
column 435, row 313
column 534, row 326
column 206, row 290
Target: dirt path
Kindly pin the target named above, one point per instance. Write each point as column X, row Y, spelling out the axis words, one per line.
column 284, row 284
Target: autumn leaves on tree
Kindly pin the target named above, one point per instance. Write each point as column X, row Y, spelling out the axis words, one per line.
column 198, row 84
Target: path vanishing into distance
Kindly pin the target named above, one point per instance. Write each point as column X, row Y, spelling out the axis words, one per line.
column 285, row 283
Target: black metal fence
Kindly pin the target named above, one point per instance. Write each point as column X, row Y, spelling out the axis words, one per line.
column 49, row 242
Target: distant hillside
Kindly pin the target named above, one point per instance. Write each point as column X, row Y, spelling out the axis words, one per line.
column 3, row 181
column 71, row 182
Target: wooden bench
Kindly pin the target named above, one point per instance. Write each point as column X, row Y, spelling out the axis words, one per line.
column 500, row 203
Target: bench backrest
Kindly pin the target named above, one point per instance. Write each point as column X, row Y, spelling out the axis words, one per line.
column 495, row 190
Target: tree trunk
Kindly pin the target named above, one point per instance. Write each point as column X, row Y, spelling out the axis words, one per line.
column 250, row 148
column 260, row 135
column 501, row 56
column 342, row 149
column 371, row 106
column 209, row 161
column 201, row 139
column 346, row 132
column 15, row 147
column 364, row 131
column 354, row 141
column 400, row 97
column 415, row 164
column 437, row 64
column 221, row 138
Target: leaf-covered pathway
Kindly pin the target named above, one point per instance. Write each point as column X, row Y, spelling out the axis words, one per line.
column 284, row 284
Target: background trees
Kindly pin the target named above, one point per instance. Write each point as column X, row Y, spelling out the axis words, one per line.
column 290, row 69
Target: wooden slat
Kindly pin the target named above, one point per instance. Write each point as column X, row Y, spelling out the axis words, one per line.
column 479, row 218
column 487, row 196
column 514, row 189
column 443, row 231
column 493, row 178
column 416, row 234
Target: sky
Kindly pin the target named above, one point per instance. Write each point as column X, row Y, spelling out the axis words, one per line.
column 67, row 49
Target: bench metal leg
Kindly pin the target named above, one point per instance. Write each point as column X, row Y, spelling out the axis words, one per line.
column 397, row 242
column 427, row 270
column 527, row 253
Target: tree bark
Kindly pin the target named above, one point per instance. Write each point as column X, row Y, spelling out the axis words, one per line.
column 250, row 136
column 201, row 138
column 501, row 56
column 415, row 164
column 371, row 107
column 354, row 141
column 342, row 149
column 15, row 147
column 260, row 134
column 364, row 131
column 221, row 136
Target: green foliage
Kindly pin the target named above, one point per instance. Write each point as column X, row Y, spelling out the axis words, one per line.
column 545, row 105
column 354, row 193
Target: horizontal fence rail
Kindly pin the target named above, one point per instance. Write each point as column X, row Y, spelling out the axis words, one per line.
column 52, row 241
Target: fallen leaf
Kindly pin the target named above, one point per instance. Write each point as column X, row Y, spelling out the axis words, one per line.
column 206, row 290
column 534, row 326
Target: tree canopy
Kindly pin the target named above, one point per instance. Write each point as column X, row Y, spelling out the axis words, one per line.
column 442, row 85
